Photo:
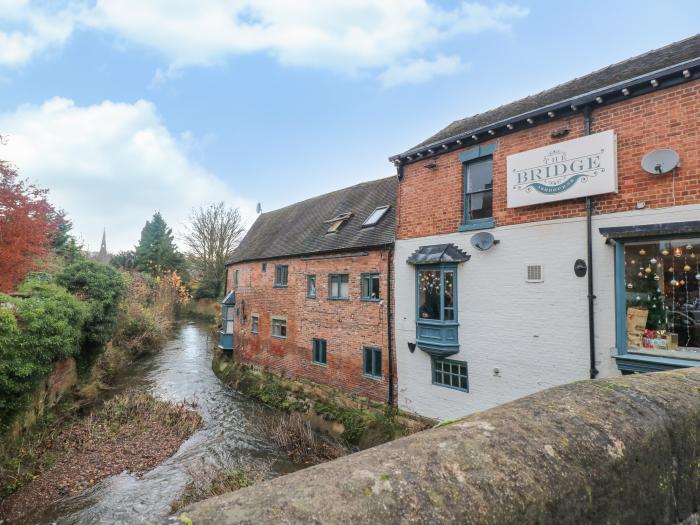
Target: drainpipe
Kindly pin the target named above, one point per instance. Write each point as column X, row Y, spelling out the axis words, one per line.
column 390, row 326
column 587, row 119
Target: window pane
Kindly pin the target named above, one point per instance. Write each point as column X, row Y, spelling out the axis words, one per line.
column 334, row 286
column 449, row 296
column 662, row 295
column 367, row 360
column 429, row 294
column 375, row 287
column 229, row 327
column 311, row 287
column 479, row 175
column 344, row 287
column 480, row 205
column 377, row 363
column 365, row 285
column 283, row 330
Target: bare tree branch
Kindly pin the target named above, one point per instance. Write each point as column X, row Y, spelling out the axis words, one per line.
column 212, row 233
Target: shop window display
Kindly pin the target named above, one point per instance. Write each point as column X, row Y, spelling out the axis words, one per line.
column 662, row 295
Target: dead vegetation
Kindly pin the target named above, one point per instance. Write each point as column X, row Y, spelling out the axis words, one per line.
column 208, row 480
column 69, row 457
column 294, row 435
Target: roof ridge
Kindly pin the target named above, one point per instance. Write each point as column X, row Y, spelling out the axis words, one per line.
column 322, row 195
column 591, row 73
column 671, row 55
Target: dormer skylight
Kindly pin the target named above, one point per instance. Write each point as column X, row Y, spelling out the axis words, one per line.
column 337, row 222
column 375, row 216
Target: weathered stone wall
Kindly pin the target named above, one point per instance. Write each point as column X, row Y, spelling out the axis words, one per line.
column 607, row 451
column 62, row 378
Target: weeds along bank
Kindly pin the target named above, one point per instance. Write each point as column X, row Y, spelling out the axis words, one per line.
column 63, row 337
column 359, row 422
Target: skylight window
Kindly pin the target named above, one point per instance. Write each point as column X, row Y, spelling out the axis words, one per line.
column 375, row 216
column 337, row 222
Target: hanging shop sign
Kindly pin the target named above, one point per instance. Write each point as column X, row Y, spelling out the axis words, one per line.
column 567, row 170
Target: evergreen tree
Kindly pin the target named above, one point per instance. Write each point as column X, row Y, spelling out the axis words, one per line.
column 156, row 251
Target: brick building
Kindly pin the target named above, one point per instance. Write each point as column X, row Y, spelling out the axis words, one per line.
column 312, row 284
column 561, row 295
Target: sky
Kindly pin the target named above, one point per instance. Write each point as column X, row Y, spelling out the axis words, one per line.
column 127, row 107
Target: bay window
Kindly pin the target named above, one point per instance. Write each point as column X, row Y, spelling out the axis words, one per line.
column 659, row 288
column 436, row 315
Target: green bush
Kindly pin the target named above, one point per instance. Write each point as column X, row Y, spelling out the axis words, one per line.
column 35, row 333
column 101, row 288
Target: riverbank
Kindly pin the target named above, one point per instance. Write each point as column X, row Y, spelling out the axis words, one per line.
column 131, row 432
column 359, row 422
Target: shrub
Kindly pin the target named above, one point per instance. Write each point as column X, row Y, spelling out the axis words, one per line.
column 35, row 333
column 101, row 287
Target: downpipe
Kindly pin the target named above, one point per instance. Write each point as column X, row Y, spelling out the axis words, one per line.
column 587, row 119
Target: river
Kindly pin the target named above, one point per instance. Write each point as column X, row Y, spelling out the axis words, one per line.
column 182, row 370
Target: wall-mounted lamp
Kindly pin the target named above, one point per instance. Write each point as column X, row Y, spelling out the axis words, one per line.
column 412, row 347
column 580, row 268
column 430, row 165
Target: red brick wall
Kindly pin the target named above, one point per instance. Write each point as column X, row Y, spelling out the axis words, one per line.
column 346, row 325
column 430, row 200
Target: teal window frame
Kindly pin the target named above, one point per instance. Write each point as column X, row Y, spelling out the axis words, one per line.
column 281, row 276
column 339, row 276
column 235, row 279
column 443, row 333
column 282, row 323
column 264, row 267
column 311, row 278
column 369, row 276
column 255, row 325
column 372, row 362
column 472, row 155
column 630, row 362
column 319, row 351
column 441, row 363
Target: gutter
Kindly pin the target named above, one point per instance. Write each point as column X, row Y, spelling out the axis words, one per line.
column 641, row 85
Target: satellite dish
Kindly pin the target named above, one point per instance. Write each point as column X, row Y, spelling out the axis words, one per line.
column 660, row 161
column 483, row 241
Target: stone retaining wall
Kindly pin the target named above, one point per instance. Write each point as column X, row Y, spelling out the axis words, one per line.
column 607, row 451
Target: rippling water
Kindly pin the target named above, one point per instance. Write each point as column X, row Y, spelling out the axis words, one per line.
column 181, row 371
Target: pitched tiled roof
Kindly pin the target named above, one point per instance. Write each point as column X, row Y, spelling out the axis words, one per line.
column 300, row 229
column 661, row 58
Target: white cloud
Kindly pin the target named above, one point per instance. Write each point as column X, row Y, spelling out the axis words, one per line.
column 420, row 70
column 110, row 165
column 29, row 30
column 347, row 36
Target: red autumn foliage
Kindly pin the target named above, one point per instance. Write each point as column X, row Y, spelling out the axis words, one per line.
column 27, row 221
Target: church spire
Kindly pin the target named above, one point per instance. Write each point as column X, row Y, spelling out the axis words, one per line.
column 103, row 255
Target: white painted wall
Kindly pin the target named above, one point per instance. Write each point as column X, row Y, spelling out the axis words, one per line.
column 536, row 334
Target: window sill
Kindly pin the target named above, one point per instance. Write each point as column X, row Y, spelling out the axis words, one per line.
column 324, row 365
column 280, row 286
column 631, row 362
column 436, row 322
column 370, row 300
column 254, row 333
column 376, row 378
column 279, row 336
column 338, row 298
column 465, row 391
column 311, row 297
column 479, row 224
